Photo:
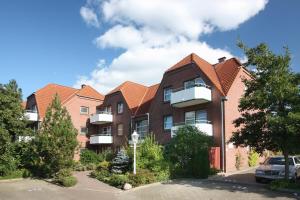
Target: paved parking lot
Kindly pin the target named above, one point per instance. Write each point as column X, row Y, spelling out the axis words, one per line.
column 88, row 188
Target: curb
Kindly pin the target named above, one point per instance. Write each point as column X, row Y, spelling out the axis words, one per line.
column 288, row 191
column 11, row 180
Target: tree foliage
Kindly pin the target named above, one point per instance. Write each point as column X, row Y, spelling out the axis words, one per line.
column 12, row 125
column 188, row 153
column 56, row 141
column 270, row 107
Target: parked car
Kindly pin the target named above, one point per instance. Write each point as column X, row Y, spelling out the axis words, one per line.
column 274, row 168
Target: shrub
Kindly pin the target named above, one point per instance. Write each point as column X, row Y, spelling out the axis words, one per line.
column 142, row 177
column 19, row 173
column 68, row 181
column 89, row 156
column 277, row 184
column 188, row 153
column 79, row 167
column 118, row 180
column 253, row 158
column 63, row 173
column 106, row 155
column 120, row 163
column 104, row 165
column 91, row 166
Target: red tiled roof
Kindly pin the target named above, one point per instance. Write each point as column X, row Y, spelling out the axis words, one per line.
column 227, row 72
column 133, row 94
column 88, row 91
column 205, row 66
column 147, row 100
column 44, row 96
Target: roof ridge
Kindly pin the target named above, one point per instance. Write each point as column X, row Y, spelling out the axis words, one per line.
column 142, row 99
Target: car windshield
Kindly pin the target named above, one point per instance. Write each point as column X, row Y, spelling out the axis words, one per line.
column 278, row 161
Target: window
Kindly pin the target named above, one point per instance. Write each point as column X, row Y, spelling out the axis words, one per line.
column 193, row 117
column 120, row 129
column 201, row 116
column 192, row 83
column 167, row 94
column 190, row 117
column 168, row 122
column 120, row 108
column 83, row 130
column 107, row 109
column 142, row 128
column 106, row 130
column 84, row 110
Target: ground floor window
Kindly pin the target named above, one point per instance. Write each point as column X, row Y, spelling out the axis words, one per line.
column 168, row 122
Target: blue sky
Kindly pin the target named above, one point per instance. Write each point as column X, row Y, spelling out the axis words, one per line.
column 51, row 42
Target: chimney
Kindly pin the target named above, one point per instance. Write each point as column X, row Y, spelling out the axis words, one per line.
column 222, row 59
column 83, row 85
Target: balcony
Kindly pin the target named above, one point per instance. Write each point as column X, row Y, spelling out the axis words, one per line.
column 101, row 139
column 197, row 94
column 101, row 118
column 31, row 115
column 203, row 126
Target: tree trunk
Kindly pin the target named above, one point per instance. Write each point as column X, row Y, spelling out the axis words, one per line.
column 287, row 165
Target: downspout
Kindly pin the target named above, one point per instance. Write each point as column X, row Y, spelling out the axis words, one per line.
column 223, row 99
column 148, row 123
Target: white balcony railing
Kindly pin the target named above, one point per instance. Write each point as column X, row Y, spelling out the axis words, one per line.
column 101, row 118
column 31, row 115
column 203, row 126
column 191, row 96
column 101, row 139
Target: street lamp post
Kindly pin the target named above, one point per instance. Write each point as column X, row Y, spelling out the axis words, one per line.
column 135, row 138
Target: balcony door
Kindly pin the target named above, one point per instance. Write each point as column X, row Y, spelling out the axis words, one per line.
column 193, row 117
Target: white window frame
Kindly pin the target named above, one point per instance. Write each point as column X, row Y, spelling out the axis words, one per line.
column 120, row 107
column 84, row 113
column 142, row 128
column 84, row 133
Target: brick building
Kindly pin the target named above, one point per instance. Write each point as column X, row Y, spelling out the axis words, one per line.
column 192, row 92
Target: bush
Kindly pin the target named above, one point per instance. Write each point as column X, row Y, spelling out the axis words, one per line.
column 68, row 181
column 89, row 156
column 79, row 167
column 104, row 165
column 188, row 153
column 64, row 177
column 142, row 177
column 91, row 166
column 120, row 163
column 106, row 155
column 118, row 180
column 253, row 158
column 19, row 173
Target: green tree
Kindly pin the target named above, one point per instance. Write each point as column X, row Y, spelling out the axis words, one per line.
column 12, row 125
column 270, row 107
column 56, row 141
column 188, row 153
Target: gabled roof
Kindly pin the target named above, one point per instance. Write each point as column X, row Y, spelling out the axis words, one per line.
column 88, row 91
column 133, row 94
column 220, row 74
column 227, row 72
column 147, row 100
column 204, row 66
column 44, row 96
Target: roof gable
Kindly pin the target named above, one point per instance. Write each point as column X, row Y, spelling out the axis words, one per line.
column 88, row 91
column 147, row 100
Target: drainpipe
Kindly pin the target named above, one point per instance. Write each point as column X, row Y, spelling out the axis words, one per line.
column 223, row 99
column 148, row 123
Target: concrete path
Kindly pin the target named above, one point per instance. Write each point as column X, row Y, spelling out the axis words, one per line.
column 92, row 189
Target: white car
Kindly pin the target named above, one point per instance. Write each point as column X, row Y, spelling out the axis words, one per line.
column 273, row 168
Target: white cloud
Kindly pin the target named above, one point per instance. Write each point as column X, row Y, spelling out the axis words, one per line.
column 89, row 16
column 158, row 33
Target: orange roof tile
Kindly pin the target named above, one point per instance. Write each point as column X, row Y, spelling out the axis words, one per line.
column 88, row 91
column 227, row 72
column 44, row 96
column 206, row 68
column 147, row 100
column 133, row 94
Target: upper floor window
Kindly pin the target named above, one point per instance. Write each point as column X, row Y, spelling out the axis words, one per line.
column 106, row 130
column 83, row 130
column 120, row 107
column 168, row 122
column 192, row 83
column 167, row 94
column 142, row 128
column 120, row 129
column 84, row 110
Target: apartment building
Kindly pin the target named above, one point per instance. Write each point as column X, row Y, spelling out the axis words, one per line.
column 192, row 92
column 80, row 103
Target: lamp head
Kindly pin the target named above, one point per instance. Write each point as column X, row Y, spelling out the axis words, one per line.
column 135, row 137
